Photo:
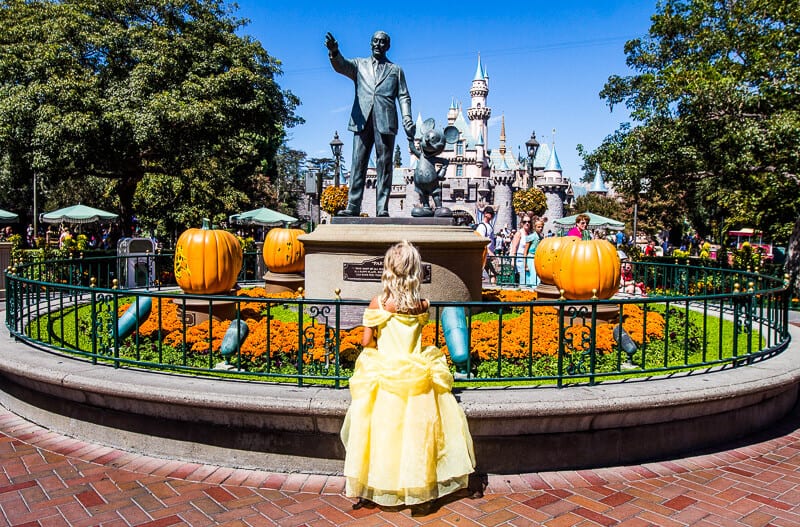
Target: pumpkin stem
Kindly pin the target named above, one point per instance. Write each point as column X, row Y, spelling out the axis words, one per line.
column 206, row 224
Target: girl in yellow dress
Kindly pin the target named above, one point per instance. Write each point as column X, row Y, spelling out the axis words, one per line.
column 406, row 437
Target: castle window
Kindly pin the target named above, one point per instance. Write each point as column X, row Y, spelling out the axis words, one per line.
column 459, row 170
column 460, row 148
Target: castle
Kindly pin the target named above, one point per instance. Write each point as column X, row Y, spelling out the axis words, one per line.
column 478, row 175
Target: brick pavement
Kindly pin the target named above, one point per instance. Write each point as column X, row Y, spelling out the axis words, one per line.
column 52, row 480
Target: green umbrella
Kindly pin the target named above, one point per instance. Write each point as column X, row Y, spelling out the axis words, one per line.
column 8, row 217
column 78, row 214
column 595, row 222
column 262, row 216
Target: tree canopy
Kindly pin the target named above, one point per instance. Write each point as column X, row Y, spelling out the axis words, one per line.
column 159, row 102
column 715, row 109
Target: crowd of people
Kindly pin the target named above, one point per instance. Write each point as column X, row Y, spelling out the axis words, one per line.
column 98, row 236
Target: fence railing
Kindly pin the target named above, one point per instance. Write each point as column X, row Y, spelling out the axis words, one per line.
column 689, row 318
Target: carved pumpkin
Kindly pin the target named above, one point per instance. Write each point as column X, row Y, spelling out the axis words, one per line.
column 207, row 261
column 546, row 256
column 283, row 252
column 586, row 265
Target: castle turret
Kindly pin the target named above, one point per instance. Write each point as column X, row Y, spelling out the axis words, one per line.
column 478, row 112
column 551, row 181
column 452, row 112
column 503, row 178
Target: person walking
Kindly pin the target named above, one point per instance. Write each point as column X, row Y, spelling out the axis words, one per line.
column 486, row 229
column 373, row 119
column 406, row 438
column 518, row 247
column 531, row 243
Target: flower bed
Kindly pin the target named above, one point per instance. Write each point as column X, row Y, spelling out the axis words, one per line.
column 279, row 342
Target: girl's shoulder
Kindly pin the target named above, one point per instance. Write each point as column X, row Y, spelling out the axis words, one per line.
column 419, row 309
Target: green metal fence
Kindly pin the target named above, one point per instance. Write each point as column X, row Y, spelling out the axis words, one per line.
column 692, row 318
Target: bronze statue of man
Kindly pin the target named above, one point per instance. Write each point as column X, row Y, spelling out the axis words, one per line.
column 373, row 119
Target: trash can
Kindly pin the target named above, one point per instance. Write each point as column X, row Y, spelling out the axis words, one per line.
column 136, row 262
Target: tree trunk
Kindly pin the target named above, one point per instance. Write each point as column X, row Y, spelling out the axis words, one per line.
column 127, row 189
column 793, row 258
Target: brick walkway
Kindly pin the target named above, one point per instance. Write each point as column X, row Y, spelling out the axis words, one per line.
column 51, row 480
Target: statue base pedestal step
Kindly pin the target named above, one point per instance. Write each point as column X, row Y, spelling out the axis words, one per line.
column 283, row 282
column 195, row 311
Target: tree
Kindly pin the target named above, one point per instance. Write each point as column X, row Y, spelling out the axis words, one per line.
column 398, row 157
column 602, row 205
column 286, row 175
column 160, row 100
column 531, row 200
column 716, row 107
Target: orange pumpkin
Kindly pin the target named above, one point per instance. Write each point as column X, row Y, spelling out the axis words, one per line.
column 587, row 265
column 207, row 261
column 283, row 252
column 546, row 256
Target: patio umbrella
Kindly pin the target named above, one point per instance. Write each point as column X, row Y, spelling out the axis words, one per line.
column 262, row 216
column 595, row 222
column 8, row 217
column 78, row 214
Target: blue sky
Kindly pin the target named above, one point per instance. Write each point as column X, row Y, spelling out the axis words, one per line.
column 546, row 63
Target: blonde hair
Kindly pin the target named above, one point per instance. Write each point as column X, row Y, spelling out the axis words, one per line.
column 402, row 273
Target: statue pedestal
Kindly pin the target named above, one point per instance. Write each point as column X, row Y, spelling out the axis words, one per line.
column 349, row 256
column 606, row 313
column 547, row 292
column 283, row 282
column 195, row 311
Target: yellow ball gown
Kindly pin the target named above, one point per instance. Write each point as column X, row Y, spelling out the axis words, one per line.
column 406, row 437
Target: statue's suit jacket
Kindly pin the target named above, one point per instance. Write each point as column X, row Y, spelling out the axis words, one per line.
column 375, row 95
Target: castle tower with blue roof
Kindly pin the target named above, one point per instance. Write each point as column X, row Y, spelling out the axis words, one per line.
column 557, row 189
column 478, row 112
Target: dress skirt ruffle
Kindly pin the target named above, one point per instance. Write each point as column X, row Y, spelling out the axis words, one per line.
column 406, row 437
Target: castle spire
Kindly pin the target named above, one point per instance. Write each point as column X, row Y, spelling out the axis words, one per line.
column 503, row 135
column 598, row 185
column 480, row 74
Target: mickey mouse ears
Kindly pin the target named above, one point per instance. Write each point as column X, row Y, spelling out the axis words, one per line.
column 451, row 134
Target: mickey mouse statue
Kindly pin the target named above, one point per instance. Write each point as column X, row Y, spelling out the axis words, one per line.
column 426, row 176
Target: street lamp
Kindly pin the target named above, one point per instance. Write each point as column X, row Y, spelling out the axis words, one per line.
column 35, row 211
column 644, row 186
column 532, row 146
column 336, row 150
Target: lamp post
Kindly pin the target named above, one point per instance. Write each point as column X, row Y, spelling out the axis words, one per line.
column 336, row 150
column 35, row 211
column 313, row 190
column 644, row 186
column 532, row 146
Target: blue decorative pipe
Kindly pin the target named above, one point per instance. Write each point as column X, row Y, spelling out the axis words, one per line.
column 456, row 335
column 133, row 317
column 234, row 337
